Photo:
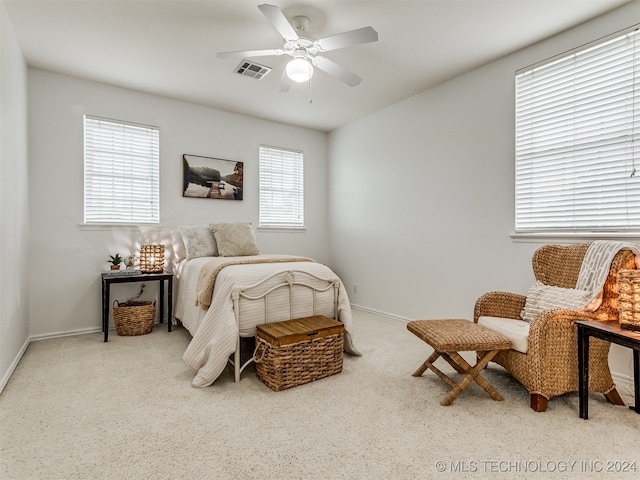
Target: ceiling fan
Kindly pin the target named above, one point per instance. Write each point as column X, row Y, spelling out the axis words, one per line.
column 306, row 53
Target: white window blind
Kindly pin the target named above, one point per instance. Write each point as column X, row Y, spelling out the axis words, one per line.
column 578, row 140
column 121, row 172
column 281, row 188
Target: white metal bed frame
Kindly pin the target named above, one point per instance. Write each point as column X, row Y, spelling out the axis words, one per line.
column 290, row 280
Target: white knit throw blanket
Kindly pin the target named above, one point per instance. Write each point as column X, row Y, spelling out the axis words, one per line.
column 595, row 267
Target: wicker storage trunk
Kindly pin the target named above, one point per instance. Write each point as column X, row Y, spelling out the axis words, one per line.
column 629, row 299
column 134, row 318
column 298, row 351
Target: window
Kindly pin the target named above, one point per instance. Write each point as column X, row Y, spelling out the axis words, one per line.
column 121, row 172
column 281, row 188
column 578, row 140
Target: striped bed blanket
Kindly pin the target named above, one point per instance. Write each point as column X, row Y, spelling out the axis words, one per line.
column 215, row 335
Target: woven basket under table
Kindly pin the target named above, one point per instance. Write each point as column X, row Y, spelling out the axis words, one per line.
column 629, row 299
column 282, row 365
column 134, row 318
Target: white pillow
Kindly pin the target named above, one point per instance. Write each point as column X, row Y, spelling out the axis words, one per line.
column 235, row 239
column 179, row 250
column 542, row 298
column 198, row 241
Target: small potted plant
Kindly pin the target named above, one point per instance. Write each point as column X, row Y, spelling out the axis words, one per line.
column 115, row 261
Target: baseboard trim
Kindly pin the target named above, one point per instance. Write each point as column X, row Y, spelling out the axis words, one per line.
column 382, row 314
column 69, row 333
column 14, row 365
column 80, row 331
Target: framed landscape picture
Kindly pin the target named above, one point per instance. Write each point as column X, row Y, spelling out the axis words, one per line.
column 207, row 177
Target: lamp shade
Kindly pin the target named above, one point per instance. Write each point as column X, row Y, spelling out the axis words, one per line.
column 152, row 258
column 299, row 70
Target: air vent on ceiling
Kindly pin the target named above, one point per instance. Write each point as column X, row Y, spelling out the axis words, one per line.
column 251, row 69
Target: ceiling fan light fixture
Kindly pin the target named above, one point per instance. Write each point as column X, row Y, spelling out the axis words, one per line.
column 299, row 70
column 306, row 52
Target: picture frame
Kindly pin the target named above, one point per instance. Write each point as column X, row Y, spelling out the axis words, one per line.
column 213, row 178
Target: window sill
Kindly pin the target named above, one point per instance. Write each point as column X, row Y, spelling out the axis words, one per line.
column 283, row 229
column 572, row 237
column 122, row 226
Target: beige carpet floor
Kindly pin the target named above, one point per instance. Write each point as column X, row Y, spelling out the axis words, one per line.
column 77, row 408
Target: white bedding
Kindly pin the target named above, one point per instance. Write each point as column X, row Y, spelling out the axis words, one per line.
column 215, row 330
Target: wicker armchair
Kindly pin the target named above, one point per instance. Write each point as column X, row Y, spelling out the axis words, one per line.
column 550, row 366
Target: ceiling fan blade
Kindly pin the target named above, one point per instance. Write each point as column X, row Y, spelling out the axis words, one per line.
column 332, row 68
column 285, row 83
column 279, row 21
column 250, row 53
column 347, row 39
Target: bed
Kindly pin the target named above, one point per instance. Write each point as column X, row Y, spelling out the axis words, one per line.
column 221, row 298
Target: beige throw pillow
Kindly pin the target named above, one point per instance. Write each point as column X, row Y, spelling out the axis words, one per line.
column 542, row 298
column 235, row 239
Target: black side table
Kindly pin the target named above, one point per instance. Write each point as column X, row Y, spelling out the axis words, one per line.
column 108, row 279
column 611, row 332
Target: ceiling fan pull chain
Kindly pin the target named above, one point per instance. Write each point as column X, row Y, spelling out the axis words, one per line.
column 310, row 96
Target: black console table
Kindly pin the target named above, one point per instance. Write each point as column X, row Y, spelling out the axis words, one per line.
column 108, row 279
column 611, row 332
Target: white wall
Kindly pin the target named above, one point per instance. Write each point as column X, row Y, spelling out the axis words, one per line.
column 421, row 196
column 66, row 261
column 14, row 189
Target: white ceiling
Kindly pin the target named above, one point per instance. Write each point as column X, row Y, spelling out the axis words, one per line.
column 169, row 48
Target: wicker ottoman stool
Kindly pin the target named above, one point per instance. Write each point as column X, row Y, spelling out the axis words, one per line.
column 448, row 337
